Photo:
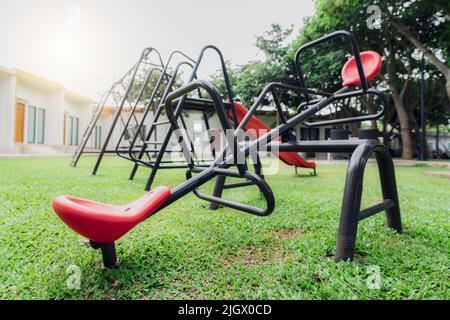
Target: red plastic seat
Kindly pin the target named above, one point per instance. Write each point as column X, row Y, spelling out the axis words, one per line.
column 371, row 62
column 104, row 223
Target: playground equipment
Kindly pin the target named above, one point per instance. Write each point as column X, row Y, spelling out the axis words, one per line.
column 149, row 87
column 159, row 148
column 121, row 100
column 150, row 144
column 104, row 224
column 234, row 111
column 257, row 128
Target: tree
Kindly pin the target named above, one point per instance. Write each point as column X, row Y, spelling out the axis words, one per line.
column 413, row 21
column 426, row 25
column 249, row 79
column 400, row 62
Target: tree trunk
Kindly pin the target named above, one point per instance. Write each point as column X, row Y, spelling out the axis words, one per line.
column 354, row 127
column 372, row 110
column 437, row 139
column 405, row 128
column 447, row 84
column 402, row 113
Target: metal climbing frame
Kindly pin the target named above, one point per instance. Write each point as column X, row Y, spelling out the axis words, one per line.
column 117, row 98
column 151, row 146
column 97, row 111
column 198, row 103
column 128, row 103
column 163, row 84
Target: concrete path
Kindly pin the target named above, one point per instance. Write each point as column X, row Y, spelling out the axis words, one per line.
column 443, row 174
column 440, row 164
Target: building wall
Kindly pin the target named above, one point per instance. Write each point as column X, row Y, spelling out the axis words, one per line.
column 105, row 122
column 7, row 107
column 444, row 141
column 51, row 100
column 77, row 109
column 42, row 94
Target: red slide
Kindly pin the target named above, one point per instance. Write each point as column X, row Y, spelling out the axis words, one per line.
column 258, row 128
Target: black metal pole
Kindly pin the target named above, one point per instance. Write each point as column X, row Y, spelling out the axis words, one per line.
column 423, row 140
column 437, row 139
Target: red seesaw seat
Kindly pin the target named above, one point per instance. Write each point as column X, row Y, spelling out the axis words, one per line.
column 104, row 223
column 371, row 62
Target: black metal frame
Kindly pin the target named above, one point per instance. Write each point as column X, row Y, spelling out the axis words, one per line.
column 363, row 82
column 351, row 213
column 170, row 78
column 132, row 73
column 197, row 104
column 114, row 95
column 97, row 112
column 156, row 165
column 125, row 98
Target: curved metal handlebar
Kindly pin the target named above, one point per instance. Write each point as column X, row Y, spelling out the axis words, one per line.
column 269, row 88
column 256, row 179
column 336, row 34
column 218, row 105
column 378, row 115
column 225, row 75
column 181, row 53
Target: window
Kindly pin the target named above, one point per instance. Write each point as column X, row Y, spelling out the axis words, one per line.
column 198, row 128
column 76, row 123
column 72, row 131
column 69, row 130
column 35, row 125
column 31, row 124
column 40, row 132
column 310, row 134
column 97, row 137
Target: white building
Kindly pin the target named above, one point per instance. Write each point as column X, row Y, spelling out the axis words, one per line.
column 40, row 116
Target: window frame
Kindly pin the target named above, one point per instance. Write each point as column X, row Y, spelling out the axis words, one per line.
column 31, row 131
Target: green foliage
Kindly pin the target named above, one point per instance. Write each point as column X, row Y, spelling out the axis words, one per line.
column 428, row 20
column 186, row 251
column 248, row 80
column 148, row 78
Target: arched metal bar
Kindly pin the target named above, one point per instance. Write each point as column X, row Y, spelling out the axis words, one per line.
column 220, row 110
column 251, row 177
column 351, row 204
column 156, row 116
column 133, row 73
column 384, row 106
column 225, row 76
column 336, row 34
column 127, row 123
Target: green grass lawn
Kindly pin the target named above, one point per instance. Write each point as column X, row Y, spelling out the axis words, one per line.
column 186, row 251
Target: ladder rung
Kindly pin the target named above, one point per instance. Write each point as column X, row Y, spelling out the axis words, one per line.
column 238, row 184
column 165, row 151
column 160, row 123
column 387, row 204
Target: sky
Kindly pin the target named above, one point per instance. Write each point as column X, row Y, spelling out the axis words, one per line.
column 88, row 44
